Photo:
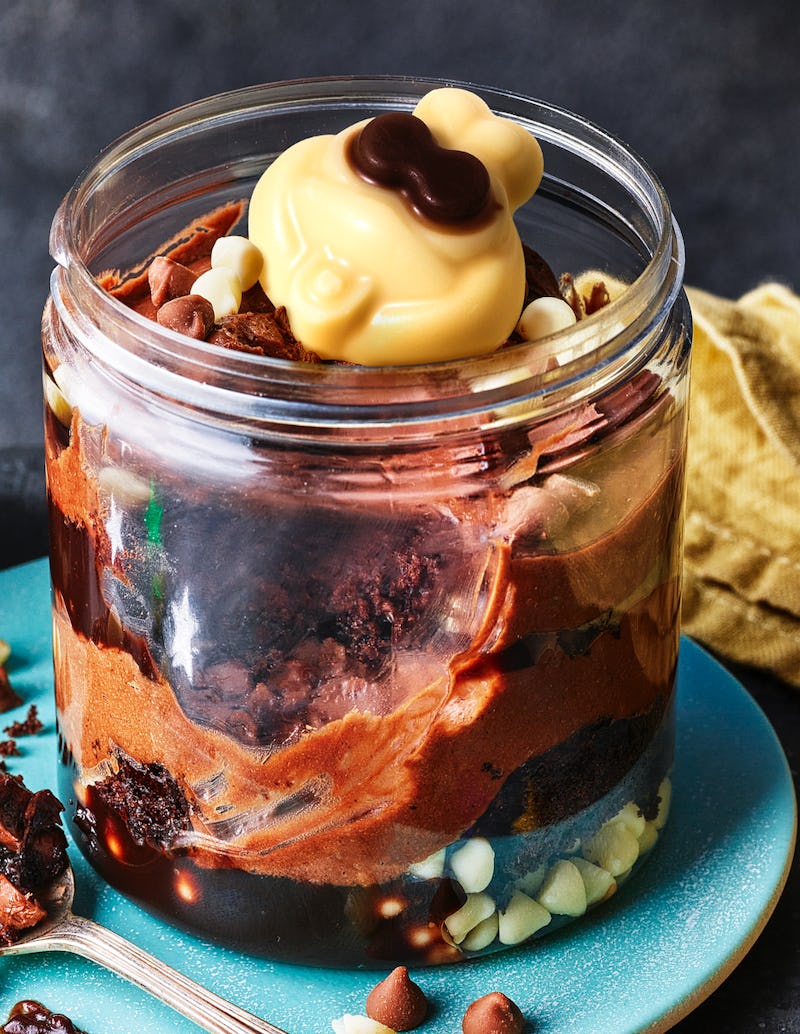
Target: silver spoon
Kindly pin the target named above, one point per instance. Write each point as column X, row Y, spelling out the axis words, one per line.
column 63, row 931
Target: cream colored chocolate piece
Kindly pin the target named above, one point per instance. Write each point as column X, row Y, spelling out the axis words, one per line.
column 648, row 838
column 599, row 883
column 545, row 316
column 57, row 400
column 563, row 892
column 354, row 1024
column 239, row 255
column 366, row 278
column 429, row 868
column 482, row 935
column 475, row 909
column 664, row 801
column 473, row 865
column 522, row 918
column 531, row 882
column 613, row 847
column 221, row 287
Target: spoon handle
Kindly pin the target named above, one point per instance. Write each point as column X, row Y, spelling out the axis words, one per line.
column 94, row 942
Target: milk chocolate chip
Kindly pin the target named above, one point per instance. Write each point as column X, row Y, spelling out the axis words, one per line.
column 168, row 279
column 493, row 1014
column 190, row 314
column 397, row 1001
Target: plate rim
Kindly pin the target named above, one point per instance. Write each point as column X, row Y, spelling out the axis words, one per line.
column 34, row 576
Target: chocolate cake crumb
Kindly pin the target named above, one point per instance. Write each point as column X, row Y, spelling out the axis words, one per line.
column 261, row 333
column 9, row 748
column 597, row 298
column 370, row 612
column 148, row 801
column 30, row 726
column 569, row 293
column 586, row 304
column 8, row 698
column 31, row 1017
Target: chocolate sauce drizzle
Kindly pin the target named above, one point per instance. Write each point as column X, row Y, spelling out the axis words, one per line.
column 398, row 151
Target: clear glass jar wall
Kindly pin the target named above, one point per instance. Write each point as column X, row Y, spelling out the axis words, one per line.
column 365, row 665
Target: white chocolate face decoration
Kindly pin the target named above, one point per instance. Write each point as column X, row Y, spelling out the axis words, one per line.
column 383, row 259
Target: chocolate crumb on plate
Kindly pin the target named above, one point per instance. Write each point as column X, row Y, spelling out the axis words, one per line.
column 31, row 1017
column 29, row 726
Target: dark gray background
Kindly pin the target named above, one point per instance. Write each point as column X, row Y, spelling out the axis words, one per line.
column 707, row 91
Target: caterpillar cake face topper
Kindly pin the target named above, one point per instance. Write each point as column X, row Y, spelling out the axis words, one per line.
column 393, row 241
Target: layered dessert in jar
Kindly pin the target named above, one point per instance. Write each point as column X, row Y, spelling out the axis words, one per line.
column 366, row 534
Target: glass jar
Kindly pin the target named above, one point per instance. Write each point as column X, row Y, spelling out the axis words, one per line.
column 365, row 665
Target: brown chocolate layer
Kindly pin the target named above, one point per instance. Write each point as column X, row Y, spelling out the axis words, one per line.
column 378, row 769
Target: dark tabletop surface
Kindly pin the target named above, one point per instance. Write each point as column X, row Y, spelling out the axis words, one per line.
column 708, row 93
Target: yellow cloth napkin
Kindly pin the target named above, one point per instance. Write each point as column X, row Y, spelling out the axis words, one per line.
column 742, row 559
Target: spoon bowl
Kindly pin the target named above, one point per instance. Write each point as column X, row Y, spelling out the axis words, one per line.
column 61, row 930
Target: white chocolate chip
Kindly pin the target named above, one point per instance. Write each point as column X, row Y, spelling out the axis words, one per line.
column 613, row 848
column 563, row 892
column 482, row 935
column 352, row 1024
column 599, row 883
column 631, row 817
column 222, row 288
column 57, row 401
column 665, row 799
column 473, row 865
column 430, row 868
column 648, row 837
column 531, row 882
column 5, row 651
column 545, row 316
column 240, row 255
column 124, row 485
column 475, row 909
column 521, row 919
column 75, row 394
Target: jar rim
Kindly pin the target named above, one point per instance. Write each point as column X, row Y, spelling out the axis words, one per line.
column 191, row 371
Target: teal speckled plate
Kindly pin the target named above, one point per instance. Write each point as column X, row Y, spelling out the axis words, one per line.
column 640, row 963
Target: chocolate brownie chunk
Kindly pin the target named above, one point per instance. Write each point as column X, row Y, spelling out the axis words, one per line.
column 147, row 800
column 33, row 853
